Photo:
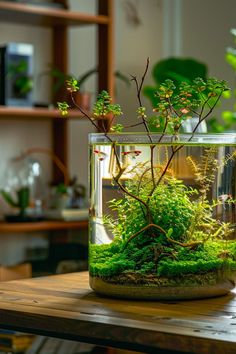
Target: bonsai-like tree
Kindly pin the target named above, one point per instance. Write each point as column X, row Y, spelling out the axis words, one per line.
column 146, row 238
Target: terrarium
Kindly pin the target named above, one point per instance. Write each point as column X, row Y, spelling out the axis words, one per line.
column 162, row 204
column 162, row 215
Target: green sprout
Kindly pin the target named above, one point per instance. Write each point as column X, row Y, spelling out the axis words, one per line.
column 117, row 128
column 72, row 85
column 63, row 108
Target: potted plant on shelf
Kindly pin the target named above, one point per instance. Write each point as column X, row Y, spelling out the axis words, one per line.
column 162, row 214
column 20, row 203
column 82, row 97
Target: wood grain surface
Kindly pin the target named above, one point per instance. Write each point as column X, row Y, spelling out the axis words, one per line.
column 64, row 306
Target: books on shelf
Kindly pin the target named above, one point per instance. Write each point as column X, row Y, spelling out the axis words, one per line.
column 48, row 345
column 15, row 342
column 36, row 345
column 18, row 271
column 67, row 214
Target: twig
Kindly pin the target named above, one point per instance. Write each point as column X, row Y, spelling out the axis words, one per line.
column 139, row 89
column 85, row 114
column 142, row 230
column 206, row 115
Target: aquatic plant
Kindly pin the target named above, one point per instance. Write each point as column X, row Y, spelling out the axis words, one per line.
column 161, row 227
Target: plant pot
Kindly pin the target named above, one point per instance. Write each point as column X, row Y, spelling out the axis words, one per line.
column 83, row 100
column 162, row 217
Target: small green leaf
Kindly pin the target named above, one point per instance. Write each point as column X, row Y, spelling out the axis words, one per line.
column 117, row 128
column 72, row 84
column 169, row 232
column 227, row 94
column 63, row 108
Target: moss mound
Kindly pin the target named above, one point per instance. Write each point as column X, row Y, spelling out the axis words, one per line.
column 108, row 261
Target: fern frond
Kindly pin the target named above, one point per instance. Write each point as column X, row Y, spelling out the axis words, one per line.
column 205, row 170
column 228, row 157
column 192, row 164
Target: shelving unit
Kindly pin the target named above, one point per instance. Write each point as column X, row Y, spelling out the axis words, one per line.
column 48, row 225
column 59, row 20
column 35, row 113
column 40, row 16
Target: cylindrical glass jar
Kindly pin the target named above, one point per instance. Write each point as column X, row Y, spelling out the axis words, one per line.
column 162, row 217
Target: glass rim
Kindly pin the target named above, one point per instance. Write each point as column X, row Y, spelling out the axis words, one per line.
column 159, row 138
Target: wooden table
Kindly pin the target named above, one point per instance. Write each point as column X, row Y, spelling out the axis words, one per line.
column 63, row 306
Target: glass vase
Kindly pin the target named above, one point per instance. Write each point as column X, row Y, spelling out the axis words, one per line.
column 162, row 215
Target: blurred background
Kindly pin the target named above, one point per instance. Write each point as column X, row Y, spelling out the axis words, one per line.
column 158, row 29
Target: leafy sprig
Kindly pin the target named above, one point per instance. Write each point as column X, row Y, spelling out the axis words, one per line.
column 63, row 107
column 176, row 104
column 104, row 106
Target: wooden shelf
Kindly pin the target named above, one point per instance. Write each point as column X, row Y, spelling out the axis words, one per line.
column 27, row 112
column 41, row 226
column 46, row 16
column 59, row 21
column 40, row 113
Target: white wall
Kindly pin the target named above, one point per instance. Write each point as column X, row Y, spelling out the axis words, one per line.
column 82, row 57
column 206, row 33
column 132, row 45
column 201, row 30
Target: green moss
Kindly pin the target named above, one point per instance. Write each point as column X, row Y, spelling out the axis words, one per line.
column 174, row 268
column 168, row 231
column 108, row 269
column 108, row 260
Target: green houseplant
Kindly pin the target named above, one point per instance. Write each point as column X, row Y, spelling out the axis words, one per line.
column 22, row 82
column 176, row 69
column 180, row 69
column 228, row 117
column 82, row 97
column 161, row 217
column 21, row 202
